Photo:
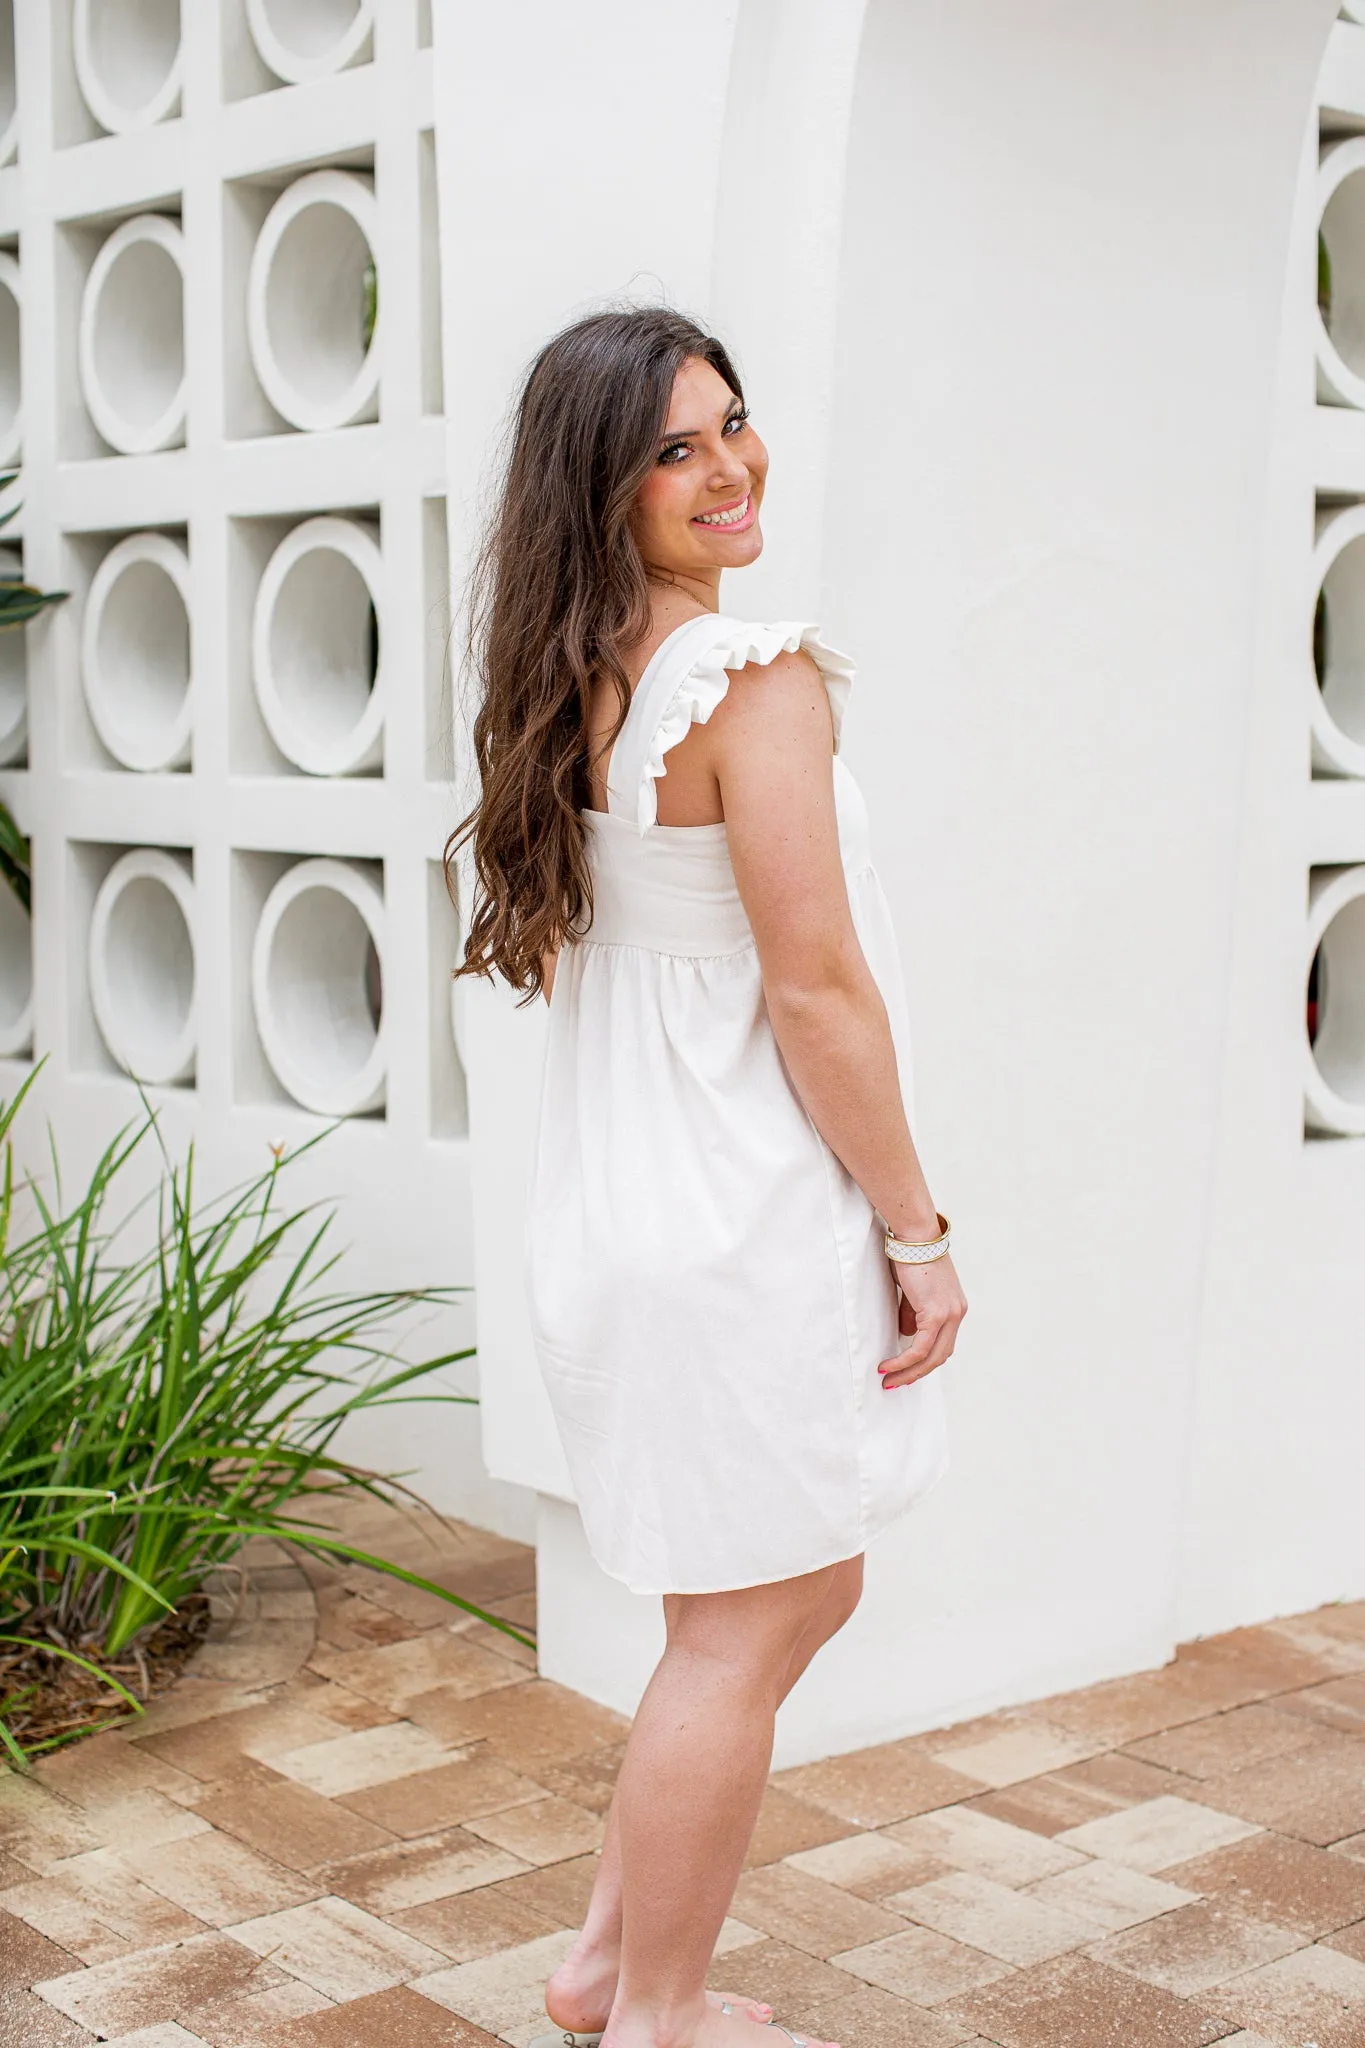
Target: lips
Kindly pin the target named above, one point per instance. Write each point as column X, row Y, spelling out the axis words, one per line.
column 727, row 518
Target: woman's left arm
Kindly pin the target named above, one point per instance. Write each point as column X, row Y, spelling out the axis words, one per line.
column 770, row 746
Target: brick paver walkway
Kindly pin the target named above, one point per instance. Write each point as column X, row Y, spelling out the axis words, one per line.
column 377, row 1830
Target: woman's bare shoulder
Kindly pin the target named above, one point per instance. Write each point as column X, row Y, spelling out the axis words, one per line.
column 788, row 688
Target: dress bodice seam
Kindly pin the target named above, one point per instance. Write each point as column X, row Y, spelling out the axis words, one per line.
column 629, row 825
column 665, row 952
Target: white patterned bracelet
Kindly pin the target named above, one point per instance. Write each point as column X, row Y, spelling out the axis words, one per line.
column 919, row 1254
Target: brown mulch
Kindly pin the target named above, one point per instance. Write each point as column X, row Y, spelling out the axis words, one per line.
column 46, row 1702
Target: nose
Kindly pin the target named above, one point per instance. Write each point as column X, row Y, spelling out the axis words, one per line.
column 730, row 470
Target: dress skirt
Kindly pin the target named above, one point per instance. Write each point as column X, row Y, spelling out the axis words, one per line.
column 709, row 1292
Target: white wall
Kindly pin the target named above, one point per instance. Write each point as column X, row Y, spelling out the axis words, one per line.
column 573, row 168
column 1046, row 381
column 1008, row 284
column 211, row 156
column 1063, row 295
column 1274, row 1518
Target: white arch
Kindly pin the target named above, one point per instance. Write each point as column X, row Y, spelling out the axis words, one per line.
column 775, row 267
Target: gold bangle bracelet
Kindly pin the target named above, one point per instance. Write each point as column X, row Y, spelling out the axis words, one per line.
column 903, row 1254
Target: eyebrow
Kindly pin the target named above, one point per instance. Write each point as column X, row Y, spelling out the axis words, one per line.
column 690, row 433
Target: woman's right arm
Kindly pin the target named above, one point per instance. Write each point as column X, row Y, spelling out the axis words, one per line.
column 770, row 746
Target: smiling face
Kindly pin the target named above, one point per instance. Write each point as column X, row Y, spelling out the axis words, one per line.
column 696, row 513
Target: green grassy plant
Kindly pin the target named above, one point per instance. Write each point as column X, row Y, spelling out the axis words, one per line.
column 16, row 860
column 19, row 602
column 160, row 1408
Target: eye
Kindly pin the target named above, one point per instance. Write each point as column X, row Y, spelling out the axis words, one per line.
column 737, row 421
column 675, row 448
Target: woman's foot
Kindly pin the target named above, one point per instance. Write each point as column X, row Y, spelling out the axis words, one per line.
column 714, row 2028
column 579, row 1995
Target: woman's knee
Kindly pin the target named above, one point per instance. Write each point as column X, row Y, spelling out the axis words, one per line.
column 846, row 1590
column 755, row 1630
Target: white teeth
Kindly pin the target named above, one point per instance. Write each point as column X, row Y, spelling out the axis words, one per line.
column 730, row 518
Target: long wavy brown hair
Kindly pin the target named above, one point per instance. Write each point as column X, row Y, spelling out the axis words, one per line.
column 558, row 591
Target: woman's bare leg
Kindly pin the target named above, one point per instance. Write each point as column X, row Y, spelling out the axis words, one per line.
column 580, row 1993
column 838, row 1606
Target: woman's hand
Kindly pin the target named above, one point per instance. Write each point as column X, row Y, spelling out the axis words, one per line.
column 932, row 1307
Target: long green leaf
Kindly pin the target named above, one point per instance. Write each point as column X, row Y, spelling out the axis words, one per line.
column 160, row 1404
column 70, row 1657
column 22, row 1757
column 20, row 602
column 335, row 1546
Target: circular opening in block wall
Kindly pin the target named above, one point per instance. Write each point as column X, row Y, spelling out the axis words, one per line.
column 16, row 977
column 142, row 965
column 317, row 979
column 13, row 676
column 1341, row 274
column 312, row 302
column 1338, row 644
column 11, row 390
column 374, row 985
column 1335, row 1080
column 316, row 648
column 132, row 337
column 127, row 55
column 9, row 98
column 1339, row 639
column 135, row 652
column 1339, row 988
column 299, row 39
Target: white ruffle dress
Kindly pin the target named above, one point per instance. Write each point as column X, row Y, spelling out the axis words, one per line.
column 708, row 1288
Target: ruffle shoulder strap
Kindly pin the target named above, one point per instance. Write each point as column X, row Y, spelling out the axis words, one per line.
column 685, row 681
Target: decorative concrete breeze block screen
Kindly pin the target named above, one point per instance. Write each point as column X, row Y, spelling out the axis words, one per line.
column 1334, row 634
column 220, row 367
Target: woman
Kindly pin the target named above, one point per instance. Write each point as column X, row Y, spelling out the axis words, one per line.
column 729, row 1226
